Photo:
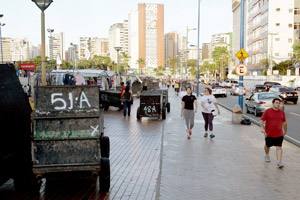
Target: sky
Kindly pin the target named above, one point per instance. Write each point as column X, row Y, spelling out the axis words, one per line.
column 76, row 18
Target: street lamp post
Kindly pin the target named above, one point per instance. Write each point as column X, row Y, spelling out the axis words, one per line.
column 242, row 45
column 1, row 24
column 198, row 50
column 43, row 5
column 118, row 49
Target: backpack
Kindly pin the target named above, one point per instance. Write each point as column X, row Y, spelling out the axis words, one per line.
column 246, row 122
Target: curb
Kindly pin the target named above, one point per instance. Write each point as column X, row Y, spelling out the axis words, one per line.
column 256, row 122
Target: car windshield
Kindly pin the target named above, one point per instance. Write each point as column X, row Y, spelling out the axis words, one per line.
column 286, row 90
column 267, row 96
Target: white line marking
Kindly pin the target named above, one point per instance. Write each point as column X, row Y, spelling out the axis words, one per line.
column 292, row 113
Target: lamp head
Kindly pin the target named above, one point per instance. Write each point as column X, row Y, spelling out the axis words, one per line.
column 42, row 4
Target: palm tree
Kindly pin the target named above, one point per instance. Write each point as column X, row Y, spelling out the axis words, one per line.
column 124, row 61
column 141, row 63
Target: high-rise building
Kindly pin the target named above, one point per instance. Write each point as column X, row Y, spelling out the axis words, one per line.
column 206, row 51
column 98, row 46
column 7, row 49
column 171, row 46
column 20, row 50
column 146, row 36
column 15, row 49
column 118, row 37
column 221, row 40
column 297, row 21
column 72, row 53
column 85, row 48
column 271, row 27
column 236, row 10
column 56, row 46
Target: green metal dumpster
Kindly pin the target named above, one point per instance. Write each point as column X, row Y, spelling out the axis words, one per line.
column 67, row 133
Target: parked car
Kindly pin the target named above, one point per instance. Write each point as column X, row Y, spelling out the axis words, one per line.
column 258, row 102
column 235, row 90
column 269, row 84
column 286, row 94
column 219, row 91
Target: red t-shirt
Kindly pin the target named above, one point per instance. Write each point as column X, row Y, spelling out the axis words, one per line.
column 274, row 120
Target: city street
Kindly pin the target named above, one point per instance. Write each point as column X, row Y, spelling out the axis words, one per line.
column 292, row 114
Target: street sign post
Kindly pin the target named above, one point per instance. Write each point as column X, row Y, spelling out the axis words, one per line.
column 242, row 55
column 241, row 70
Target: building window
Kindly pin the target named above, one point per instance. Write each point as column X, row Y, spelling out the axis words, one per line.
column 277, row 9
column 296, row 26
column 290, row 40
column 277, row 24
column 290, row 10
column 276, row 54
column 290, row 25
column 297, row 11
column 277, row 39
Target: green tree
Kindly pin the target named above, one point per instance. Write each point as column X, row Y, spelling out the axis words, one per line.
column 66, row 65
column 141, row 63
column 173, row 65
column 282, row 67
column 84, row 64
column 192, row 63
column 221, row 58
column 296, row 51
column 124, row 66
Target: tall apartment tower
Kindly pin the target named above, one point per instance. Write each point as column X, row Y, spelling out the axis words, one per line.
column 118, row 37
column 171, row 46
column 236, row 10
column 146, row 36
column 271, row 30
column 56, row 46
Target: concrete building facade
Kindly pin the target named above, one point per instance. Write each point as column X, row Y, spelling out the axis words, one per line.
column 146, row 33
column 118, row 37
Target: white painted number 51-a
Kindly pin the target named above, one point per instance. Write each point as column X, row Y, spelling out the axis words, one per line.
column 61, row 103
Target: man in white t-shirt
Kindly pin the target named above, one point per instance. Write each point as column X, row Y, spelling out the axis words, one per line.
column 209, row 106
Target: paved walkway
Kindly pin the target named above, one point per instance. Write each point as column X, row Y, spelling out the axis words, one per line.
column 231, row 166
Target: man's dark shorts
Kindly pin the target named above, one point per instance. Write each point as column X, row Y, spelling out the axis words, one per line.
column 274, row 141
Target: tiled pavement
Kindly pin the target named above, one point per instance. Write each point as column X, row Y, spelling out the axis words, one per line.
column 231, row 166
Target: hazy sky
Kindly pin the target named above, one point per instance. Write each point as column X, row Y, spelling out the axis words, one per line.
column 93, row 17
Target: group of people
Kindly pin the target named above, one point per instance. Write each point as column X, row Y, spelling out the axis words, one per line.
column 273, row 120
column 209, row 107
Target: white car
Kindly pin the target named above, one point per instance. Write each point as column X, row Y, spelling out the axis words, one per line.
column 219, row 91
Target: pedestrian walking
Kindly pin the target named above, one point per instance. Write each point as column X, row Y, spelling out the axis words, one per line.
column 209, row 107
column 188, row 110
column 177, row 86
column 127, row 101
column 274, row 128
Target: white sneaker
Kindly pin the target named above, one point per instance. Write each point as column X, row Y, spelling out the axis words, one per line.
column 280, row 165
column 267, row 158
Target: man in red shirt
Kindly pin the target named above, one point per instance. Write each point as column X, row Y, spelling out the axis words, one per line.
column 274, row 127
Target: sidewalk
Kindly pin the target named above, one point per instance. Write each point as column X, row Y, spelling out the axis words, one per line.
column 231, row 166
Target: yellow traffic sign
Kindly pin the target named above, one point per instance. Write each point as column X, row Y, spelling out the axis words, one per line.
column 241, row 70
column 242, row 54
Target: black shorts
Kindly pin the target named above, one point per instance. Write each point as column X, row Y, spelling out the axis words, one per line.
column 274, row 141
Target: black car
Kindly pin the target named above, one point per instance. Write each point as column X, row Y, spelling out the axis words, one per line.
column 286, row 94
